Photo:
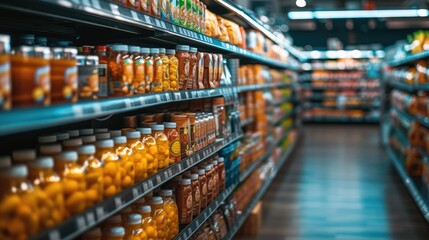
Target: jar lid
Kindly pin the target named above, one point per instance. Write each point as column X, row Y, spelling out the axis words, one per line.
column 156, row 200
column 171, row 51
column 88, row 139
column 86, row 131
column 167, row 192
column 134, row 49
column 114, row 219
column 154, row 50
column 162, row 50
column 126, row 210
column 62, row 136
column 50, row 149
column 170, row 124
column 93, row 233
column 5, row 161
column 145, row 209
column 101, row 130
column 102, row 136
column 194, row 176
column 201, row 171
column 47, row 139
column 43, row 52
column 221, row 160
column 182, row 47
column 116, row 232
column 86, row 149
column 108, row 143
column 115, row 133
column 43, row 162
column 24, row 155
column 67, row 156
column 71, row 50
column 120, row 140
column 144, row 50
column 185, row 181
column 157, row 127
column 73, row 133
column 133, row 134
column 119, row 47
column 18, row 170
column 193, row 50
column 145, row 130
column 72, row 142
column 215, row 163
column 209, row 167
column 134, row 219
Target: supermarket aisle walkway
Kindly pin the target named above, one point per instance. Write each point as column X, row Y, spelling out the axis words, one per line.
column 340, row 185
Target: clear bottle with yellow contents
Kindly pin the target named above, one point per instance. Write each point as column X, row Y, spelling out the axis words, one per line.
column 93, row 168
column 133, row 228
column 173, row 69
column 163, row 145
column 148, row 224
column 114, row 233
column 93, row 234
column 160, row 217
column 19, row 217
column 111, row 164
column 48, row 191
column 139, row 155
column 151, row 150
column 74, row 184
column 172, row 211
column 127, row 166
column 165, row 70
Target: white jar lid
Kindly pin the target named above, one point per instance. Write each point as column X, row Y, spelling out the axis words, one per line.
column 43, row 162
column 120, row 140
column 67, row 156
column 116, row 232
column 105, row 143
column 133, row 134
column 86, row 149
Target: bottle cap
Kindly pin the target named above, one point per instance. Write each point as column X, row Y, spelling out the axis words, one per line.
column 119, row 48
column 162, row 50
column 5, row 161
column 108, row 143
column 116, row 232
column 43, row 162
column 194, row 176
column 102, row 136
column 154, row 50
column 67, row 156
column 214, row 162
column 88, row 139
column 208, row 167
column 158, row 127
column 145, row 209
column 115, row 133
column 50, row 149
column 171, row 51
column 19, row 170
column 167, row 192
column 133, row 134
column 182, row 47
column 134, row 49
column 86, row 149
column 156, row 200
column 93, row 233
column 72, row 142
column 62, row 136
column 145, row 130
column 201, row 171
column 186, row 181
column 100, row 48
column 86, row 131
column 221, row 160
column 101, row 130
column 24, row 155
column 170, row 124
column 47, row 139
column 120, row 140
column 73, row 133
column 144, row 50
column 134, row 219
column 193, row 50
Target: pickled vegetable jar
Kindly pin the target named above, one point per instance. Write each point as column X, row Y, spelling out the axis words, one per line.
column 111, row 163
column 139, row 70
column 158, row 74
column 165, row 70
column 127, row 166
column 173, row 69
column 163, row 145
column 93, row 168
column 121, row 71
column 139, row 155
column 133, row 228
column 151, row 150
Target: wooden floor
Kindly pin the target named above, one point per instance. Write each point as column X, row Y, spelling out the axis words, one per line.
column 340, row 185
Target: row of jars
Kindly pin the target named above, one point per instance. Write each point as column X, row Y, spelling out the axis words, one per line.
column 36, row 75
column 187, row 13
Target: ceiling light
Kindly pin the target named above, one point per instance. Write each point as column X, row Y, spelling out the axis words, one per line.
column 301, row 3
column 347, row 14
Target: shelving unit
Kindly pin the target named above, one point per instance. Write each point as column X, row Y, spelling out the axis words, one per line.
column 409, row 59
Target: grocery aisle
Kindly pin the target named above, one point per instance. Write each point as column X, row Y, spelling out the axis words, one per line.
column 340, row 185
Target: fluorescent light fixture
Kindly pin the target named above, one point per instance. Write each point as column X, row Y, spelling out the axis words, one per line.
column 301, row 3
column 301, row 15
column 336, row 54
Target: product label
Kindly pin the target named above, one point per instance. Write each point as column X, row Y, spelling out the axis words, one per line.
column 88, row 81
column 174, row 11
column 102, row 80
column 183, row 12
column 210, row 185
column 164, row 9
column 42, row 87
column 5, row 86
column 175, row 148
column 70, row 84
column 184, row 138
column 197, row 195
column 222, row 175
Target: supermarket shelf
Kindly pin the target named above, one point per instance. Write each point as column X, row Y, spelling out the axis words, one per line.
column 422, row 120
column 256, row 87
column 260, row 193
column 318, row 68
column 285, row 100
column 320, row 97
column 26, row 119
column 409, row 87
column 322, row 106
column 341, row 120
column 331, row 79
column 107, row 14
column 421, row 200
column 197, row 222
column 247, row 122
column 286, row 115
column 409, row 59
column 81, row 223
column 309, row 87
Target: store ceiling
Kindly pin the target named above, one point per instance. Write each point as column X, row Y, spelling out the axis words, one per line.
column 314, row 34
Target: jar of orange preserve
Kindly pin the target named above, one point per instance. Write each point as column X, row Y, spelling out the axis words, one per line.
column 5, row 84
column 121, row 71
column 64, row 80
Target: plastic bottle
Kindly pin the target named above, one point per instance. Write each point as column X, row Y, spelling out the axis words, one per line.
column 165, row 70
column 196, row 195
column 93, row 168
column 184, row 201
column 133, row 228
column 127, row 166
column 139, row 155
column 160, row 217
column 151, row 150
column 111, row 164
column 148, row 223
column 163, row 145
column 172, row 211
column 174, row 140
column 64, row 81
column 203, row 187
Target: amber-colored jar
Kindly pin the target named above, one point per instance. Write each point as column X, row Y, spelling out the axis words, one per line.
column 174, row 139
column 184, row 201
column 200, row 70
column 215, row 179
column 127, row 167
column 220, row 70
column 196, row 195
column 203, row 187
column 30, row 72
column 162, row 144
column 170, row 207
column 101, row 52
column 139, row 155
column 5, row 78
column 192, row 83
column 149, row 69
column 111, row 164
column 173, row 69
column 139, row 70
column 191, row 127
column 158, row 75
column 208, row 71
column 222, row 174
column 134, row 4
column 165, row 69
column 182, row 54
column 210, row 183
column 155, row 8
column 121, row 71
column 183, row 129
column 64, row 81
column 93, row 168
column 160, row 217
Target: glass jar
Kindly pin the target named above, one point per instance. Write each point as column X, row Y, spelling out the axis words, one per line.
column 133, row 228
column 165, row 70
column 222, row 174
column 139, row 155
column 115, row 233
column 18, row 205
column 215, row 179
column 192, row 83
column 173, row 69
column 151, row 150
column 64, row 81
column 184, row 201
column 93, row 168
column 203, row 187
column 200, row 70
column 139, row 70
column 101, row 52
column 160, row 217
column 182, row 54
column 111, row 163
column 210, row 183
column 111, row 222
column 30, row 73
column 48, row 192
column 191, row 127
column 162, row 144
column 121, row 72
column 148, row 223
column 87, row 69
column 196, row 195
column 158, row 74
column 74, row 183
column 149, row 69
column 5, row 78
column 172, row 211
column 174, row 140
column 127, row 167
